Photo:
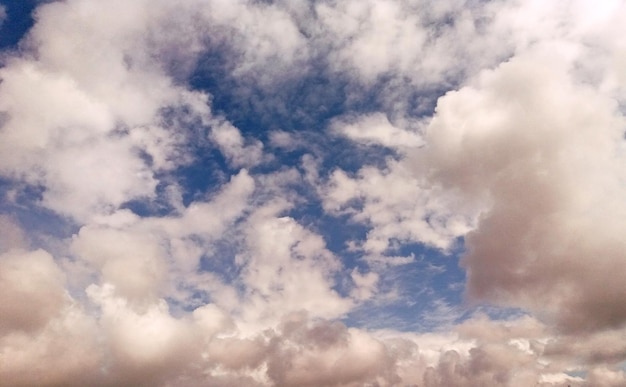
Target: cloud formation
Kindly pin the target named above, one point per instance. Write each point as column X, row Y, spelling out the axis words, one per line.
column 549, row 160
column 208, row 193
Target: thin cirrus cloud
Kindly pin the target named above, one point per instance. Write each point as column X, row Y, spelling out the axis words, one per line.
column 297, row 193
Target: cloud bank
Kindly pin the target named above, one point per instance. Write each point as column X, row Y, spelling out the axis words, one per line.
column 297, row 193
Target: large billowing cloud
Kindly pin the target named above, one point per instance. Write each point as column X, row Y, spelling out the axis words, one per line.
column 266, row 193
column 548, row 158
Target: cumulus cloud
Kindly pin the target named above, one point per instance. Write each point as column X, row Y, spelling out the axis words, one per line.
column 32, row 289
column 549, row 160
column 154, row 234
column 72, row 97
column 286, row 268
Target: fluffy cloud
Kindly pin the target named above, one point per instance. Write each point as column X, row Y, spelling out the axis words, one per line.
column 32, row 289
column 548, row 159
column 398, row 206
column 72, row 97
column 231, row 143
column 286, row 268
column 153, row 234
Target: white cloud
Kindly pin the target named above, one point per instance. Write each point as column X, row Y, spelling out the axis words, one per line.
column 133, row 263
column 33, row 290
column 365, row 284
column 285, row 140
column 62, row 98
column 147, row 345
column 11, row 235
column 411, row 39
column 64, row 351
column 258, row 52
column 232, row 145
column 376, row 129
column 141, row 259
column 287, row 268
column 396, row 205
column 377, row 36
column 121, row 176
column 524, row 160
column 38, row 117
column 548, row 158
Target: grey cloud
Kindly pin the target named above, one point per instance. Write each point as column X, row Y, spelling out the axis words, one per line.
column 33, row 290
column 11, row 234
column 539, row 155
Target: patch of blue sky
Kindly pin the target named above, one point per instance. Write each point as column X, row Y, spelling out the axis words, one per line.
column 222, row 259
column 336, row 230
column 205, row 175
column 191, row 299
column 218, row 263
column 20, row 193
column 22, row 201
column 158, row 206
column 424, row 295
column 302, row 98
column 197, row 181
column 421, row 295
column 445, row 295
column 17, row 22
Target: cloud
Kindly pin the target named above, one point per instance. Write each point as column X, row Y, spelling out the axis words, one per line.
column 71, row 98
column 327, row 355
column 32, row 289
column 365, row 284
column 397, row 205
column 53, row 356
column 144, row 346
column 11, row 234
column 287, row 268
column 376, row 129
column 230, row 141
column 154, row 234
column 548, row 159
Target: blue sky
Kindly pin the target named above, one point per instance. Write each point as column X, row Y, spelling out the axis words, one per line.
column 323, row 193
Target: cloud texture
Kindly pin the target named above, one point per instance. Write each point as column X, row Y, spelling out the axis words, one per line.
column 268, row 193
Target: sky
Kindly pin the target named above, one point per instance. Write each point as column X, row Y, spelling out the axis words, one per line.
column 312, row 193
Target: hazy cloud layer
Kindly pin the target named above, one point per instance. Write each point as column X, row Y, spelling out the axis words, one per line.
column 207, row 193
